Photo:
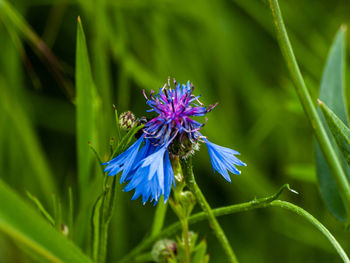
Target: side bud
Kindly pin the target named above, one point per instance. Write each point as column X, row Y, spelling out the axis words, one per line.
column 127, row 120
column 188, row 201
column 163, row 250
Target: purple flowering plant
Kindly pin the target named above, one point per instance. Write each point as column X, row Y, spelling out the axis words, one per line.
column 146, row 165
column 152, row 157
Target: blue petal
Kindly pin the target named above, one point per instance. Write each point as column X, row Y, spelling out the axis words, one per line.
column 154, row 176
column 223, row 159
column 124, row 162
column 155, row 162
column 169, row 177
column 144, row 152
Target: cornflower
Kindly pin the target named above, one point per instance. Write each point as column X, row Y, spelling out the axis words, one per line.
column 146, row 165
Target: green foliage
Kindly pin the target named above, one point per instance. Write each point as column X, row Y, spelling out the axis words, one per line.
column 332, row 92
column 339, row 130
column 200, row 251
column 85, row 99
column 29, row 141
column 27, row 227
column 104, row 205
column 228, row 49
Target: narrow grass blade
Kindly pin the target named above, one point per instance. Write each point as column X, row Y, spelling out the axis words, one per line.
column 332, row 93
column 159, row 217
column 84, row 105
column 96, row 227
column 26, row 226
column 8, row 12
column 118, row 136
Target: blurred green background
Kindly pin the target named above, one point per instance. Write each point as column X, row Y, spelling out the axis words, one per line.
column 228, row 50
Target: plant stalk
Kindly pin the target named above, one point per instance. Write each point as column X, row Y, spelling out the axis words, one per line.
column 214, row 224
column 185, row 236
column 309, row 107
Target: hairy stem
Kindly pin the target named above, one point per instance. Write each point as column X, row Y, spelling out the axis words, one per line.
column 309, row 108
column 214, row 224
column 185, row 236
column 180, row 208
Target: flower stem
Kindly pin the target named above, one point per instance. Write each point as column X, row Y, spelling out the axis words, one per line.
column 237, row 208
column 309, row 108
column 181, row 209
column 214, row 224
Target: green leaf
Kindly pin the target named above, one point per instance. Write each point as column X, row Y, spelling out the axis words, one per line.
column 159, row 217
column 85, row 89
column 118, row 136
column 96, row 224
column 200, row 252
column 340, row 132
column 101, row 217
column 25, row 225
column 332, row 92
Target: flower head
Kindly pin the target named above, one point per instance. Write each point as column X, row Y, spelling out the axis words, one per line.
column 146, row 165
column 174, row 108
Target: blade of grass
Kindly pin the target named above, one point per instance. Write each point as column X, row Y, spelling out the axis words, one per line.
column 54, row 22
column 21, row 51
column 85, row 113
column 118, row 136
column 96, row 228
column 7, row 11
column 159, row 217
column 26, row 226
column 101, row 71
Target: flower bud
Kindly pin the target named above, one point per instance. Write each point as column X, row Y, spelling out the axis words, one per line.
column 188, row 201
column 187, row 197
column 163, row 250
column 127, row 120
